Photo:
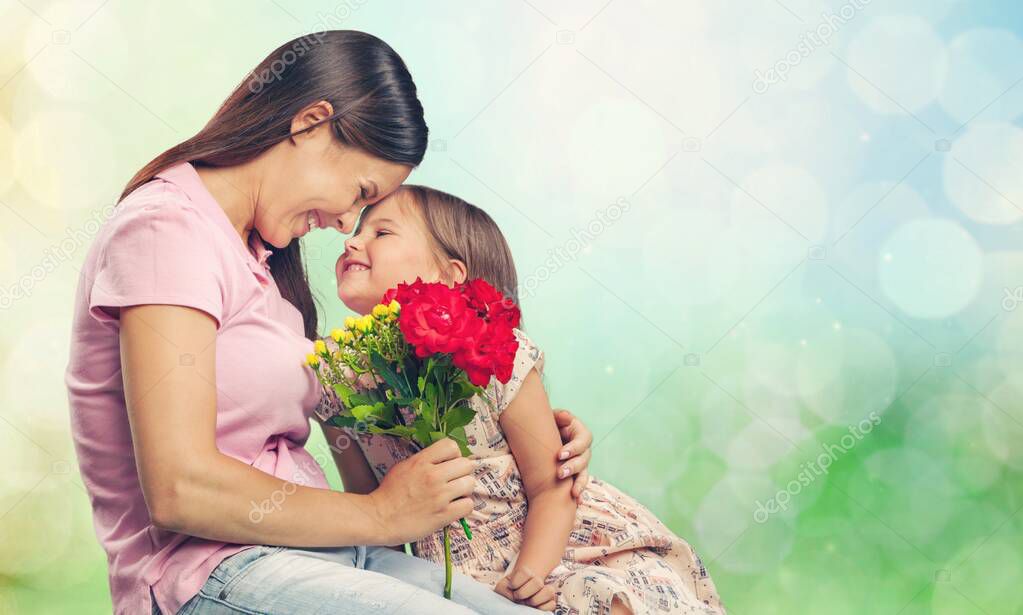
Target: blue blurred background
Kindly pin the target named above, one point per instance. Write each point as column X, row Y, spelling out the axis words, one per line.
column 772, row 249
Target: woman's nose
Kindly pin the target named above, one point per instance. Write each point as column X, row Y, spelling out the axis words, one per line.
column 348, row 221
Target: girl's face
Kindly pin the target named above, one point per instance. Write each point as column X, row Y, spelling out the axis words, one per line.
column 392, row 246
column 314, row 181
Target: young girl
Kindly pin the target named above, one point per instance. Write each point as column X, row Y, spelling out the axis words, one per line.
column 531, row 541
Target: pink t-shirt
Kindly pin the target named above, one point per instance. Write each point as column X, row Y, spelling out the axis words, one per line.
column 170, row 243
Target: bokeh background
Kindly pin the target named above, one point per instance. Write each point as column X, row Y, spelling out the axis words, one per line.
column 750, row 234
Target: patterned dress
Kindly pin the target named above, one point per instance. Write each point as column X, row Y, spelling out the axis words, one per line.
column 617, row 547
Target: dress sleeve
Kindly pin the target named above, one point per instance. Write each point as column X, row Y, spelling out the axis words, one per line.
column 527, row 357
column 329, row 404
column 164, row 253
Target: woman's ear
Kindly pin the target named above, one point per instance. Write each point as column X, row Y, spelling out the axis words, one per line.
column 457, row 271
column 309, row 116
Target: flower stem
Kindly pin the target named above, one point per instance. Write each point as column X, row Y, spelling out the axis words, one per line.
column 447, row 564
column 465, row 527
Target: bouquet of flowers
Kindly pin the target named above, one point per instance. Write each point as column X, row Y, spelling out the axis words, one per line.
column 409, row 368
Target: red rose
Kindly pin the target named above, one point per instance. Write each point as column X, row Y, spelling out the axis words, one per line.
column 490, row 304
column 404, row 292
column 490, row 353
column 435, row 318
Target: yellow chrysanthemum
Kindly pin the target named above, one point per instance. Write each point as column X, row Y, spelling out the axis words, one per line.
column 312, row 360
column 365, row 324
column 380, row 311
column 350, row 323
column 347, row 338
column 394, row 307
column 320, row 347
column 337, row 334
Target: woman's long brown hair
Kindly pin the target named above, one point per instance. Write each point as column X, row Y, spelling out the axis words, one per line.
column 375, row 109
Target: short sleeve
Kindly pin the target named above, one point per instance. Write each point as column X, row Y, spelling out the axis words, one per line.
column 527, row 357
column 329, row 405
column 162, row 253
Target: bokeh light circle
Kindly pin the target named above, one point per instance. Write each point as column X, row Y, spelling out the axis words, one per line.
column 1003, row 427
column 930, row 268
column 983, row 64
column 6, row 156
column 982, row 175
column 8, row 274
column 727, row 532
column 791, row 194
column 982, row 577
column 34, row 390
column 59, row 72
column 67, row 161
column 1009, row 341
column 897, row 61
column 950, row 428
column 844, row 401
column 764, row 442
column 918, row 497
column 37, row 529
column 794, row 349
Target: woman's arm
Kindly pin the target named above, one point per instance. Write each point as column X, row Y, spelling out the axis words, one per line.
column 578, row 439
column 529, row 426
column 355, row 472
column 192, row 488
column 352, row 466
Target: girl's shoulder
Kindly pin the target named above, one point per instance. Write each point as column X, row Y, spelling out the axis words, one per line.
column 527, row 358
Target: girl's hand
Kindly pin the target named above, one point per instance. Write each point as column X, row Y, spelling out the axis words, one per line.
column 576, row 451
column 524, row 587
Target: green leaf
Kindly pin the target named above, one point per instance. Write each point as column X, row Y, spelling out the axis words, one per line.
column 422, row 431
column 360, row 399
column 386, row 411
column 362, row 411
column 458, row 435
column 344, row 393
column 383, row 368
column 460, row 392
column 428, row 409
column 459, row 416
column 410, row 372
column 398, row 430
column 342, row 421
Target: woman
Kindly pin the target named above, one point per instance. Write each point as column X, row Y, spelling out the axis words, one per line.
column 202, row 494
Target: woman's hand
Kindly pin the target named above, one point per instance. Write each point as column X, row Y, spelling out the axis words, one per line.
column 576, row 451
column 425, row 492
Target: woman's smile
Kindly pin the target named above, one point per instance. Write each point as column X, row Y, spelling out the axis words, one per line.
column 314, row 219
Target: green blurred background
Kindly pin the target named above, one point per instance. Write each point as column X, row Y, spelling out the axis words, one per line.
column 816, row 222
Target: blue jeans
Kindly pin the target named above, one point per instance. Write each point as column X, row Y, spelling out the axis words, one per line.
column 291, row 581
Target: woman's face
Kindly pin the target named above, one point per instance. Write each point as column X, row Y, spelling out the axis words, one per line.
column 391, row 246
column 314, row 181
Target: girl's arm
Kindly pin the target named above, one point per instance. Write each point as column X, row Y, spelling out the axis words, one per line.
column 529, row 426
column 356, row 475
column 355, row 472
column 192, row 488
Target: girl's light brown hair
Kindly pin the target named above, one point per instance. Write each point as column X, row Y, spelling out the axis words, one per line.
column 462, row 231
